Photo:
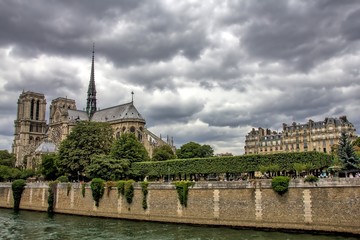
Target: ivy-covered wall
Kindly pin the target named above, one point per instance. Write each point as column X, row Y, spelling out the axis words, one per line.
column 327, row 205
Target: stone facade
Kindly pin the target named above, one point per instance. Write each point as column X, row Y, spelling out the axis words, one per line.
column 30, row 126
column 31, row 129
column 330, row 205
column 320, row 136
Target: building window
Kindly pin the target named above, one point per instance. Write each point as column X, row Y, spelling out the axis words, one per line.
column 37, row 109
column 32, row 109
column 132, row 129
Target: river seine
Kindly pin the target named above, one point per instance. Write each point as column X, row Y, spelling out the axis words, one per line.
column 36, row 225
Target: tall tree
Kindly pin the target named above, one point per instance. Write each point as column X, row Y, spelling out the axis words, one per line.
column 194, row 150
column 48, row 166
column 346, row 153
column 85, row 140
column 163, row 152
column 107, row 168
column 127, row 146
column 7, row 159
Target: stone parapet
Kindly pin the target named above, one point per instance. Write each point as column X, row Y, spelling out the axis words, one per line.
column 330, row 205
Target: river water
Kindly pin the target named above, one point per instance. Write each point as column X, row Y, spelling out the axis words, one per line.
column 37, row 225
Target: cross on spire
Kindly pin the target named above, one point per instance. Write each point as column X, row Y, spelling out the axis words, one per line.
column 132, row 96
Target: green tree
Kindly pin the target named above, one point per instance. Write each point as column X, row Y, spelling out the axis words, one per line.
column 356, row 146
column 7, row 159
column 48, row 166
column 356, row 142
column 85, row 140
column 299, row 167
column 346, row 153
column 194, row 150
column 162, row 153
column 107, row 168
column 128, row 147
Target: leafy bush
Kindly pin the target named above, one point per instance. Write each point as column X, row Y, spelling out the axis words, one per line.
column 9, row 173
column 144, row 189
column 121, row 187
column 280, row 184
column 311, row 178
column 129, row 191
column 51, row 196
column 107, row 168
column 83, row 189
column 182, row 188
column 126, row 188
column 97, row 187
column 63, row 179
column 68, row 189
column 109, row 185
column 234, row 164
column 26, row 173
column 18, row 187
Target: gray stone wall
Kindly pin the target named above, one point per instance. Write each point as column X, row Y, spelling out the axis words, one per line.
column 331, row 205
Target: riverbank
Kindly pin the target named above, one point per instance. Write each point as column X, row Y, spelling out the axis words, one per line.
column 330, row 205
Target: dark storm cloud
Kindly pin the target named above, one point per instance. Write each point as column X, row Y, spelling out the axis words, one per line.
column 172, row 112
column 204, row 71
column 124, row 36
column 298, row 34
column 53, row 82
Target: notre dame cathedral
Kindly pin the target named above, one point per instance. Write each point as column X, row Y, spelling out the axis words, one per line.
column 34, row 137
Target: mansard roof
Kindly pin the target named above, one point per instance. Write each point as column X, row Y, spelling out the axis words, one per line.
column 125, row 111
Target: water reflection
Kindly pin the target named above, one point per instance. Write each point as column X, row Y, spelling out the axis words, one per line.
column 36, row 225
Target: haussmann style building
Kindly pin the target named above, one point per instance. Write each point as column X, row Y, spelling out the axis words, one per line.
column 321, row 136
column 34, row 137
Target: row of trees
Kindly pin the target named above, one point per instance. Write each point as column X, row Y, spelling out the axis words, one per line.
column 90, row 151
column 8, row 171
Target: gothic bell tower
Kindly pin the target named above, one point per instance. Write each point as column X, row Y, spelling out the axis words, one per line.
column 30, row 125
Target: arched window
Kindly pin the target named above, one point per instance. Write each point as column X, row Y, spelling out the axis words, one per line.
column 139, row 136
column 117, row 135
column 37, row 109
column 123, row 129
column 31, row 140
column 132, row 129
column 32, row 109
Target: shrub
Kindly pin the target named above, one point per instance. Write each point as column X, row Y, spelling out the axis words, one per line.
column 121, row 187
column 235, row 164
column 129, row 191
column 311, row 178
column 280, row 184
column 51, row 196
column 68, row 189
column 144, row 189
column 83, row 189
column 182, row 188
column 63, row 179
column 109, row 185
column 126, row 188
column 17, row 187
column 97, row 187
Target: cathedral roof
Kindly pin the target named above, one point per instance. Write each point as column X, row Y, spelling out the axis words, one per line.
column 46, row 147
column 77, row 115
column 125, row 111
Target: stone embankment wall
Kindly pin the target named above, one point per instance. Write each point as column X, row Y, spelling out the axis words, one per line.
column 331, row 205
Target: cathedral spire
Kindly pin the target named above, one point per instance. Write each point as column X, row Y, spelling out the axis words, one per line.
column 91, row 94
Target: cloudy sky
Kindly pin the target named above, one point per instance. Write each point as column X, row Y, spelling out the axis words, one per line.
column 204, row 71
